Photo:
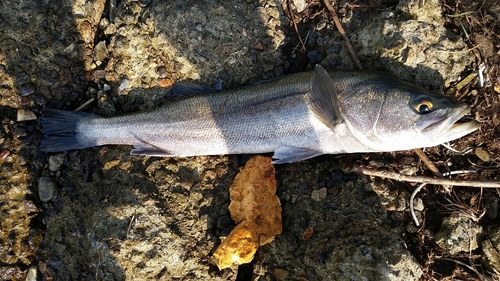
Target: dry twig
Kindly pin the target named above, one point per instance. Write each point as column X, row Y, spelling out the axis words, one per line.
column 295, row 25
column 428, row 162
column 85, row 104
column 426, row 180
column 342, row 33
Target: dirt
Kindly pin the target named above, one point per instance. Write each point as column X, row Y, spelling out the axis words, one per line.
column 113, row 216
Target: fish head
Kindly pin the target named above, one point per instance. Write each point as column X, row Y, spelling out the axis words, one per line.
column 387, row 114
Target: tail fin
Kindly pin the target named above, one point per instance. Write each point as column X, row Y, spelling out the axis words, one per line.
column 59, row 128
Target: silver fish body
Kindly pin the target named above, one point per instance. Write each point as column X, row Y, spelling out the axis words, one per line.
column 296, row 117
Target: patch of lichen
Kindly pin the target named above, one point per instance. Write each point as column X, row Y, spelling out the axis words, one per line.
column 18, row 242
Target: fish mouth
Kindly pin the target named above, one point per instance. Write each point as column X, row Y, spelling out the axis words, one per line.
column 454, row 125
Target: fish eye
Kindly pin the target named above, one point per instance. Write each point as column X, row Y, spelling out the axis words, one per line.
column 423, row 107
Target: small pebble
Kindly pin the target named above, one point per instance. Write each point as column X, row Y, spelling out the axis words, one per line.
column 92, row 91
column 280, row 273
column 399, row 216
column 315, row 56
column 165, row 82
column 409, row 170
column 88, row 51
column 307, row 233
column 46, row 187
column 376, row 164
column 418, row 204
column 209, row 176
column 483, row 154
column 335, row 49
column 408, row 160
column 221, row 169
column 25, row 101
column 25, row 115
column 496, row 87
column 111, row 29
column 128, row 19
column 144, row 3
column 187, row 185
column 123, row 85
column 4, row 154
column 55, row 162
column 103, row 23
column 105, row 104
column 319, row 194
column 42, row 266
column 100, row 51
column 300, row 5
column 224, row 75
column 258, row 46
column 32, row 274
column 27, row 89
column 106, row 87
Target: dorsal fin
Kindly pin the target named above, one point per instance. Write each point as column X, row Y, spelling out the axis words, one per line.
column 183, row 90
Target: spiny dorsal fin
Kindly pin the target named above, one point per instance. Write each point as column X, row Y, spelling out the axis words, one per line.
column 324, row 97
column 183, row 90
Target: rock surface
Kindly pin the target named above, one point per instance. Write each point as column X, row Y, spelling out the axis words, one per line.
column 46, row 188
column 19, row 239
column 459, row 233
column 412, row 43
column 112, row 216
column 491, row 247
column 352, row 240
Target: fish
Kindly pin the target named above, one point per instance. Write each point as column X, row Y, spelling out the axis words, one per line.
column 297, row 117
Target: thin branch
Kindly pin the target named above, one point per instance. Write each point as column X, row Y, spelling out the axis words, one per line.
column 130, row 224
column 295, row 25
column 422, row 179
column 342, row 33
column 85, row 104
column 420, row 186
column 428, row 162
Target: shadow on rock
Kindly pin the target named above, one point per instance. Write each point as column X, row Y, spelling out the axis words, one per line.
column 334, row 227
column 112, row 216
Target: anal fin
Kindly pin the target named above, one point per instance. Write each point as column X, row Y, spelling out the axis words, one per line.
column 149, row 150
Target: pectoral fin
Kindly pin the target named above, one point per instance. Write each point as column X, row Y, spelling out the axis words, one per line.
column 290, row 154
column 324, row 98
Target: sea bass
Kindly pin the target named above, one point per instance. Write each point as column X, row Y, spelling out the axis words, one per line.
column 297, row 117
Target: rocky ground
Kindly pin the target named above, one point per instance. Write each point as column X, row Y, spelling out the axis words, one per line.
column 102, row 214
